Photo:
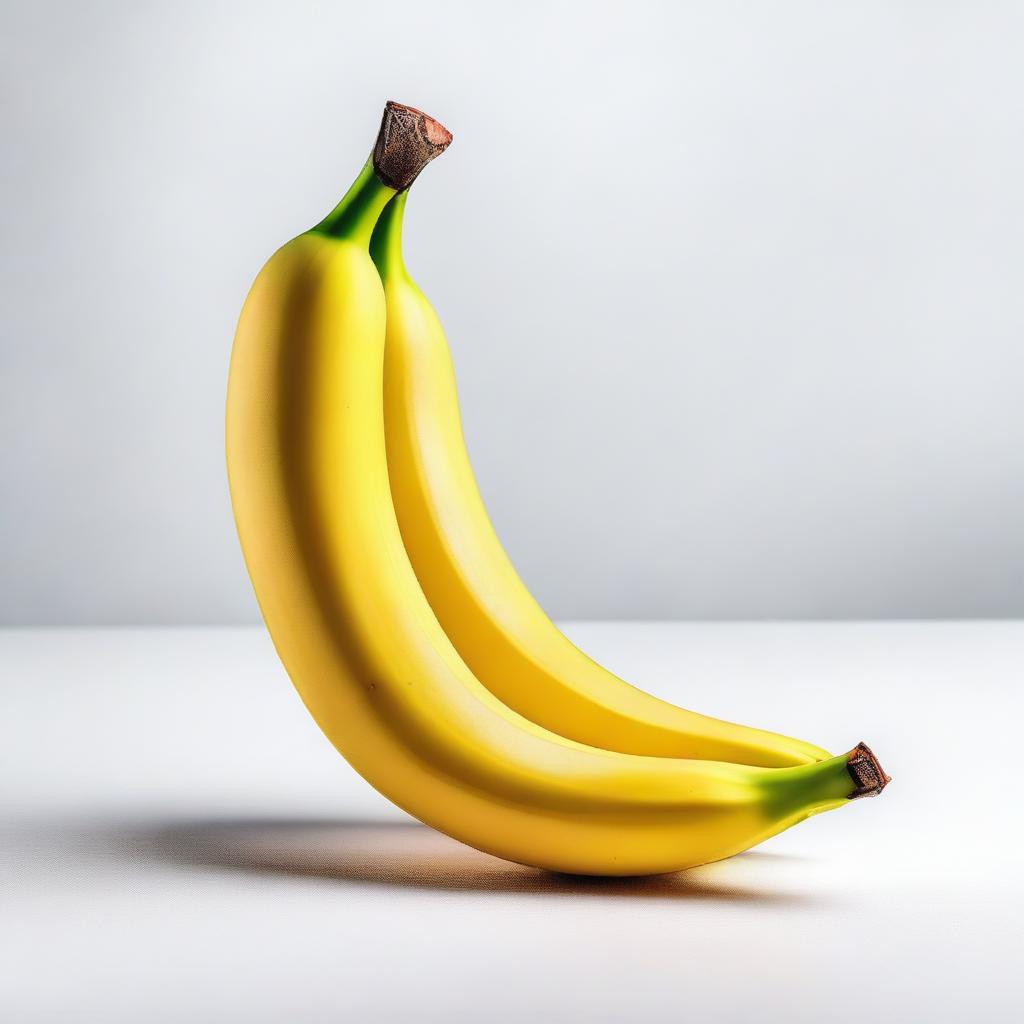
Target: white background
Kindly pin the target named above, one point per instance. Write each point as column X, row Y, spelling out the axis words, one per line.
column 734, row 290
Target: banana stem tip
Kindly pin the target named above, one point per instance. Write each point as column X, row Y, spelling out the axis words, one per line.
column 866, row 772
column 408, row 140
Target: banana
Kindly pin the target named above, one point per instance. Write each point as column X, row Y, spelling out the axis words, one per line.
column 308, row 475
column 498, row 628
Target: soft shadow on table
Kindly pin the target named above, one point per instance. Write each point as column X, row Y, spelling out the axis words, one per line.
column 412, row 856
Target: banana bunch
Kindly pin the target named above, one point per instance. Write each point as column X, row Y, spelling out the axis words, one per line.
column 398, row 616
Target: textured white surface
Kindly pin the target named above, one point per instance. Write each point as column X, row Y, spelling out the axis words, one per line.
column 180, row 843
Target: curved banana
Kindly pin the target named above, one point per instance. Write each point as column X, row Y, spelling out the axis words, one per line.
column 498, row 628
column 309, row 486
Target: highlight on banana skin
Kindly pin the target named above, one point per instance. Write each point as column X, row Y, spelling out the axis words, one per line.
column 399, row 617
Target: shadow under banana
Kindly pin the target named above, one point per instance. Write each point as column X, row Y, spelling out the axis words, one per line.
column 413, row 856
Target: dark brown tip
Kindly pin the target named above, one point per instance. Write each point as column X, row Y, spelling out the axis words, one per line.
column 408, row 140
column 866, row 772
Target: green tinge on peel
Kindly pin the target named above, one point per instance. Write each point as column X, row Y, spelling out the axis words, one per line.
column 810, row 789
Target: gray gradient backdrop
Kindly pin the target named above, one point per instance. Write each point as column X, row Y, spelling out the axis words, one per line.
column 734, row 290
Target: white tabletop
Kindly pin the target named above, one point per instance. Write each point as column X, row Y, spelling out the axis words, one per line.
column 179, row 843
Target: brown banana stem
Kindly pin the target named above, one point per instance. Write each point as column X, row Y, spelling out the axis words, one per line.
column 408, row 140
column 866, row 772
